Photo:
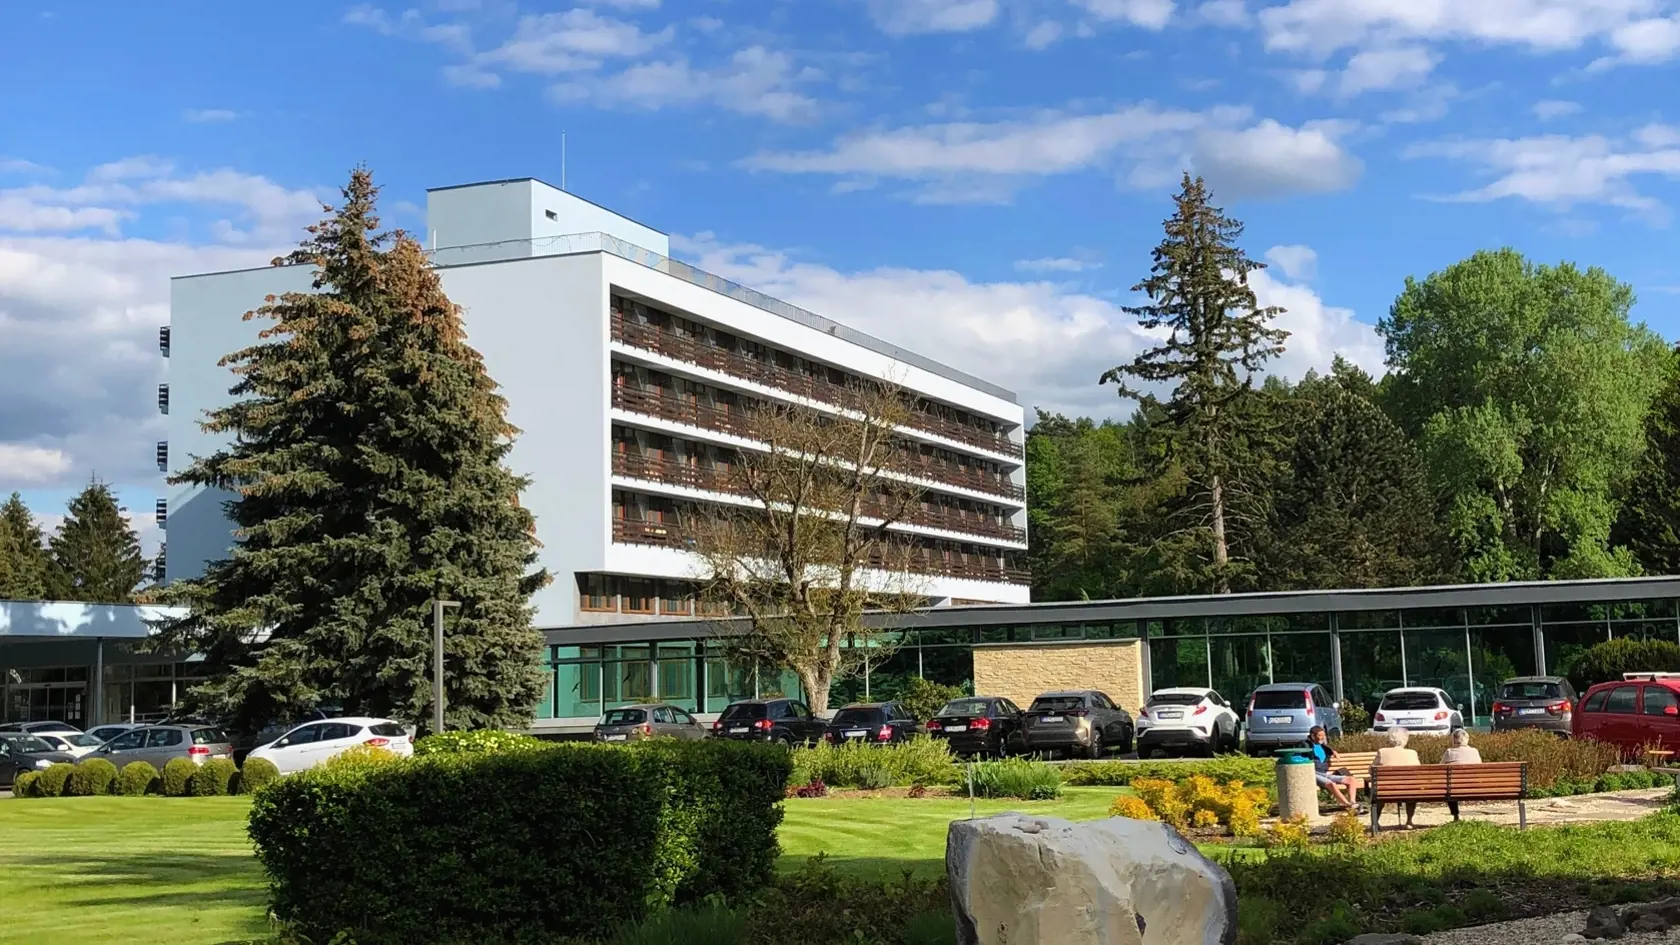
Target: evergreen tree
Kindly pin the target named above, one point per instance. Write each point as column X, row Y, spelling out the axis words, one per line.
column 1650, row 520
column 1218, row 336
column 368, row 448
column 95, row 555
column 23, row 575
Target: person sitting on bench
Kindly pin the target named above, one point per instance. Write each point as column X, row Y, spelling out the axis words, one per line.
column 1460, row 754
column 1339, row 786
column 1396, row 754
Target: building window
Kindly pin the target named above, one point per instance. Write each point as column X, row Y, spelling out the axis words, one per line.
column 599, row 592
column 638, row 597
column 675, row 599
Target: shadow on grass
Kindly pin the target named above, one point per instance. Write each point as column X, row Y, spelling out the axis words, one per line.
column 156, row 880
column 884, row 869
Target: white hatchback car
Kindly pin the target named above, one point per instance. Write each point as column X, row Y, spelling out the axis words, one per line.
column 1187, row 719
column 71, row 743
column 312, row 743
column 1419, row 710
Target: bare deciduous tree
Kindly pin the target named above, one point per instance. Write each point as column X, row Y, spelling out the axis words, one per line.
column 810, row 551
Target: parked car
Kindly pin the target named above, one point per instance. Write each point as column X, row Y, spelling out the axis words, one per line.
column 1187, row 718
column 1083, row 720
column 269, row 732
column 875, row 723
column 1641, row 711
column 1281, row 714
column 36, row 728
column 982, row 725
column 769, row 720
column 311, row 744
column 109, row 731
column 1418, row 709
column 71, row 743
column 157, row 745
column 20, row 752
column 636, row 722
column 1539, row 702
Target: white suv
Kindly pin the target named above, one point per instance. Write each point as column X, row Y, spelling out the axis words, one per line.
column 1187, row 719
column 1417, row 709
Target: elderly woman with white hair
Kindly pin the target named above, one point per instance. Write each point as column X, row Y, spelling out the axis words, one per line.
column 1461, row 753
column 1395, row 755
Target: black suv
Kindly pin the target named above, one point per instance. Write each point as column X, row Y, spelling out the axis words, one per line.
column 874, row 723
column 979, row 725
column 769, row 720
column 1077, row 720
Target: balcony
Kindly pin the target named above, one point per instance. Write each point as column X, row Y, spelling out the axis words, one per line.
column 163, row 399
column 735, row 421
column 163, row 341
column 163, row 455
column 972, row 567
column 162, row 510
column 722, row 479
column 691, row 351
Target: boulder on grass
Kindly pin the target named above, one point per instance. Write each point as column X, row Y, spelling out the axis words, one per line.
column 1021, row 880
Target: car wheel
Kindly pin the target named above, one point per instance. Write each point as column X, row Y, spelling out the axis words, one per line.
column 1096, row 749
column 1126, row 746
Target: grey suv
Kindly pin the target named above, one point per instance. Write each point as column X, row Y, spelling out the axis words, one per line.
column 1281, row 714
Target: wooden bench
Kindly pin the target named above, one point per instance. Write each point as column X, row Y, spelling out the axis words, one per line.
column 1489, row 781
column 1358, row 766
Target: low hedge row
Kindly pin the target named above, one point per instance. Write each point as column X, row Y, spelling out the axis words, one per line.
column 483, row 741
column 517, row 846
column 1254, row 771
column 1551, row 760
column 922, row 760
column 93, row 777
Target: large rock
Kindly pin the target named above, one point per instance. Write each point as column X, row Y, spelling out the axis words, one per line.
column 1020, row 880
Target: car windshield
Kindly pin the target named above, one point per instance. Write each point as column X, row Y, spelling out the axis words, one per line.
column 1280, row 699
column 1410, row 701
column 624, row 717
column 858, row 717
column 82, row 741
column 965, row 707
column 1531, row 690
column 208, row 736
column 26, row 743
column 1057, row 703
column 743, row 710
column 388, row 730
column 1174, row 698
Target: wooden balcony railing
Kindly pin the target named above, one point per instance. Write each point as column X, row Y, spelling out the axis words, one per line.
column 972, row 567
column 722, row 479
column 693, row 351
column 733, row 420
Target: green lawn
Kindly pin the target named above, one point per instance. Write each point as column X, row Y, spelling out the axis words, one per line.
column 179, row 871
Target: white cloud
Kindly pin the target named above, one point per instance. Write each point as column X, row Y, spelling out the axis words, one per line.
column 1223, row 12
column 1044, row 342
column 24, row 465
column 206, row 115
column 909, row 17
column 1320, row 27
column 19, row 166
column 1149, row 14
column 1056, row 264
column 577, row 40
column 1295, row 261
column 1397, row 67
column 1148, row 143
column 1561, row 171
column 1551, row 109
column 755, row 81
column 1647, row 41
column 1042, row 35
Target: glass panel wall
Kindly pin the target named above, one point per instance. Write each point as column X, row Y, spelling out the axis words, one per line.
column 1371, row 666
column 1238, row 665
column 1178, row 661
column 1302, row 657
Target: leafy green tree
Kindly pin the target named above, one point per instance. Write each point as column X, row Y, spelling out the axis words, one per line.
column 367, row 452
column 95, row 555
column 1527, row 386
column 1650, row 519
column 1218, row 336
column 23, row 557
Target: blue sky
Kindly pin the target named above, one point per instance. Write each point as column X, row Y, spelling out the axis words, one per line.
column 980, row 180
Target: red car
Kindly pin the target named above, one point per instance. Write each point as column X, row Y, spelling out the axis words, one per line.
column 1640, row 711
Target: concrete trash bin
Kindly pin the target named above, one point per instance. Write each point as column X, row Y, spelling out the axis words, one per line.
column 1297, row 790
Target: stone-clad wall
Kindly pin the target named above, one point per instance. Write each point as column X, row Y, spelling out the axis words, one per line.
column 1020, row 672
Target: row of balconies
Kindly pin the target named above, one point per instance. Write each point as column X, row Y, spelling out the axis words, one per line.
column 693, row 351
column 957, row 564
column 735, row 421
column 722, row 478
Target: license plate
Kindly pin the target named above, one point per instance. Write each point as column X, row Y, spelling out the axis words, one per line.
column 1051, row 718
column 956, row 728
column 615, row 738
column 738, row 731
column 1278, row 719
column 1530, row 711
column 1175, row 714
column 855, row 733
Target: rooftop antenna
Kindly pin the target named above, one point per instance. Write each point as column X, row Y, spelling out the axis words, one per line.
column 562, row 159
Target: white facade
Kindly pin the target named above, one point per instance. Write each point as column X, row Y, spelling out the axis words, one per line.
column 548, row 283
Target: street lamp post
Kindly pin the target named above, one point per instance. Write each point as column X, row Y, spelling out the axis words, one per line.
column 437, row 661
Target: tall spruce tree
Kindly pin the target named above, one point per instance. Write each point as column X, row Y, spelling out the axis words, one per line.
column 1649, row 524
column 1218, row 336
column 95, row 555
column 368, row 449
column 24, row 575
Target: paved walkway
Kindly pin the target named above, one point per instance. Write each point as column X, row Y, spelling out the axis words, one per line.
column 1581, row 809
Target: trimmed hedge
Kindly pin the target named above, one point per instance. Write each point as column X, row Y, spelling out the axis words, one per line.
column 1253, row 771
column 177, row 777
column 213, row 778
column 137, row 778
column 24, row 784
column 256, row 773
column 517, row 846
column 484, row 741
column 93, row 777
column 921, row 760
column 52, row 781
column 1607, row 661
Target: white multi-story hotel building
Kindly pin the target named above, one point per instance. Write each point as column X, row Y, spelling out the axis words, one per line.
column 627, row 373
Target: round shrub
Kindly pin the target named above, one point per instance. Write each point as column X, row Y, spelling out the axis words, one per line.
column 1607, row 661
column 177, row 775
column 212, row 778
column 137, row 778
column 24, row 784
column 359, row 755
column 1128, row 806
column 256, row 773
column 475, row 743
column 51, row 782
column 93, row 777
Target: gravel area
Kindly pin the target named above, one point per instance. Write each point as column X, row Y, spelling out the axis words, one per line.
column 1543, row 930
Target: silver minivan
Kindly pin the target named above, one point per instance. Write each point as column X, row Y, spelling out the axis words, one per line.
column 1281, row 714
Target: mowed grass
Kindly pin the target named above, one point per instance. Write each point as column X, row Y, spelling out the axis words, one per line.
column 138, row 870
